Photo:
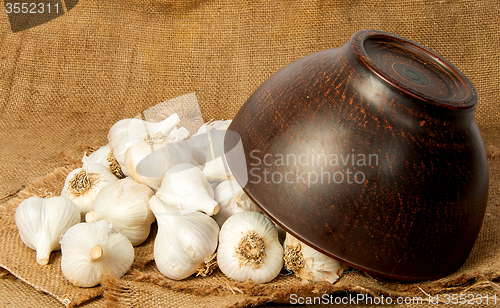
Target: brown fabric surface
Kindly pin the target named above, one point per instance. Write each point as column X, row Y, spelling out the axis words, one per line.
column 65, row 82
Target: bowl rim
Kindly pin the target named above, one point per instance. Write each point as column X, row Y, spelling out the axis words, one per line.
column 358, row 40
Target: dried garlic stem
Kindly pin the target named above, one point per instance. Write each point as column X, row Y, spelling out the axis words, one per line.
column 250, row 250
column 114, row 166
column 82, row 182
column 96, row 253
column 208, row 266
column 294, row 260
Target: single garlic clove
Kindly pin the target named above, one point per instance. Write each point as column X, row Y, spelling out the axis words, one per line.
column 249, row 248
column 232, row 199
column 83, row 184
column 125, row 205
column 125, row 133
column 41, row 223
column 185, row 188
column 91, row 249
column 307, row 263
column 185, row 244
column 148, row 161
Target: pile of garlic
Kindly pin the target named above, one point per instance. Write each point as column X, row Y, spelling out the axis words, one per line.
column 152, row 171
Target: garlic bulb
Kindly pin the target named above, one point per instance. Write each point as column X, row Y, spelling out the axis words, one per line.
column 209, row 136
column 249, row 248
column 91, row 249
column 217, row 170
column 41, row 223
column 309, row 264
column 184, row 243
column 148, row 161
column 213, row 125
column 232, row 200
column 125, row 205
column 125, row 133
column 185, row 188
column 83, row 184
column 105, row 157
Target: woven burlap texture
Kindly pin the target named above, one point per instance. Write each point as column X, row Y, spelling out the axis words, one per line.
column 64, row 83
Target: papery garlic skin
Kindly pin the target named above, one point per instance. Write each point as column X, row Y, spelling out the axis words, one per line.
column 232, row 199
column 249, row 248
column 91, row 249
column 124, row 204
column 127, row 132
column 185, row 188
column 307, row 263
column 83, row 184
column 148, row 161
column 184, row 242
column 41, row 223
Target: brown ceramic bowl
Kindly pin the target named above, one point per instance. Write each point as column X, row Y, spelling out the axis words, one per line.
column 370, row 154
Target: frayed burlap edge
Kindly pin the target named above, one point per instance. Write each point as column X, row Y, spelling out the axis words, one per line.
column 47, row 186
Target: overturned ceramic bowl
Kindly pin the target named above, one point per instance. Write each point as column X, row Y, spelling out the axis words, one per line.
column 370, row 154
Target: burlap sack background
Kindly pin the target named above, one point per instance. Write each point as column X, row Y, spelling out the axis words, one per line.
column 64, row 83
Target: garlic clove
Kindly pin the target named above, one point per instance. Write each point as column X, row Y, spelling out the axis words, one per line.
column 125, row 205
column 41, row 223
column 83, row 184
column 185, row 188
column 125, row 133
column 309, row 264
column 232, row 199
column 184, row 243
column 91, row 249
column 249, row 248
column 148, row 161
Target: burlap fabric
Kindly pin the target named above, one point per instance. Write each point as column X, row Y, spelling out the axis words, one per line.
column 65, row 82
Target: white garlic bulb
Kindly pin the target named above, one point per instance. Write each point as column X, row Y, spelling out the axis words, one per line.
column 41, row 223
column 148, row 161
column 249, row 248
column 83, row 184
column 185, row 188
column 184, row 243
column 209, row 136
column 127, row 132
column 307, row 263
column 105, row 157
column 125, row 205
column 232, row 199
column 217, row 170
column 91, row 249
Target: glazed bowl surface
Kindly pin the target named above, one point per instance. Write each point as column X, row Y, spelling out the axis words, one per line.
column 368, row 153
